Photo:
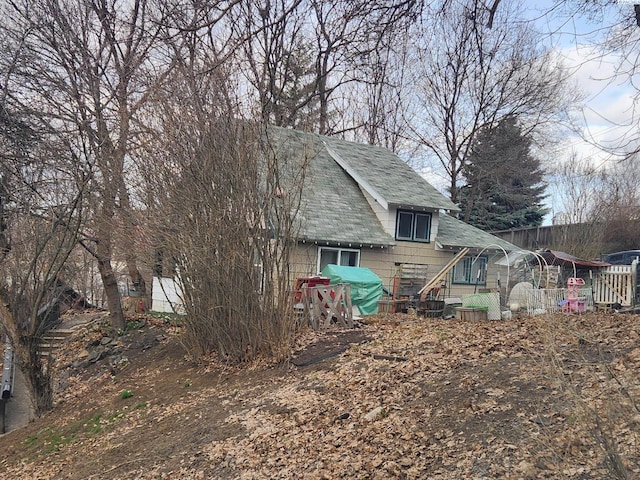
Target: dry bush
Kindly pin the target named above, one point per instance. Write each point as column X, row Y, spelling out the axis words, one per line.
column 231, row 196
column 592, row 362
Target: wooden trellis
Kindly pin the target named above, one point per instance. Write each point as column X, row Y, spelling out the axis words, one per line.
column 327, row 305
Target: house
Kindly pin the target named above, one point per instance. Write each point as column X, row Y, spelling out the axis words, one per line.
column 363, row 206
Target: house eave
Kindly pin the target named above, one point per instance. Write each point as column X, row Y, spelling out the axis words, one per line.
column 344, row 244
column 489, row 249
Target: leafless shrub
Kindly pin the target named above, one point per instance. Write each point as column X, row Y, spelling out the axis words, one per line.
column 600, row 392
column 228, row 193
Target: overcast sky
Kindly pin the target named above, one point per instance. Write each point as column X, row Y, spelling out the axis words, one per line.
column 608, row 113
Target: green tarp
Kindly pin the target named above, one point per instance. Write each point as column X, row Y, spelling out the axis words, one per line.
column 366, row 286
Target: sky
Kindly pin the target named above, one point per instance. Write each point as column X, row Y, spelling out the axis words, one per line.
column 608, row 113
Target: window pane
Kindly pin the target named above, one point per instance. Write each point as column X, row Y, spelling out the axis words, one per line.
column 405, row 225
column 422, row 227
column 461, row 271
column 348, row 259
column 328, row 257
column 466, row 271
column 479, row 267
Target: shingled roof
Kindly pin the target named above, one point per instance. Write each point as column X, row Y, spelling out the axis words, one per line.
column 455, row 234
column 396, row 182
column 334, row 209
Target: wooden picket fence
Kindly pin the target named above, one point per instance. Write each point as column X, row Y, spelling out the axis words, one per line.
column 615, row 284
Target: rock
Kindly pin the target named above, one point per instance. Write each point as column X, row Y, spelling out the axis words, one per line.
column 96, row 355
column 105, row 340
column 79, row 363
column 373, row 414
column 344, row 416
column 83, row 354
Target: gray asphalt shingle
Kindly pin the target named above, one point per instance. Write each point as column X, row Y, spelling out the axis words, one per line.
column 335, row 209
column 457, row 234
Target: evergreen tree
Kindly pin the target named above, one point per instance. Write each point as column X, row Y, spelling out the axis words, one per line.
column 505, row 186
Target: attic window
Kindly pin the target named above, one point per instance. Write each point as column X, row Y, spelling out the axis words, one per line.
column 413, row 226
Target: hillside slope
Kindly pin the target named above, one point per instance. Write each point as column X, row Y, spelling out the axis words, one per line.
column 402, row 397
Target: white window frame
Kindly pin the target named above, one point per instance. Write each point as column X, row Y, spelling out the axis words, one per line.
column 414, row 225
column 339, row 250
column 470, row 272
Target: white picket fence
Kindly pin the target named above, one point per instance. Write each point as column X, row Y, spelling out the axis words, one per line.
column 550, row 300
column 611, row 285
column 616, row 284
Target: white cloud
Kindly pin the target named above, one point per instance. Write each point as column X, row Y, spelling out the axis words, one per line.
column 608, row 113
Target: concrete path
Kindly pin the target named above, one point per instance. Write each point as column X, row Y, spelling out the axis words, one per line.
column 19, row 409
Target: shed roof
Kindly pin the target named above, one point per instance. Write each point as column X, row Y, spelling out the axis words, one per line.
column 554, row 257
column 455, row 234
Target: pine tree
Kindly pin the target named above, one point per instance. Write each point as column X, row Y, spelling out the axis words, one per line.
column 505, row 185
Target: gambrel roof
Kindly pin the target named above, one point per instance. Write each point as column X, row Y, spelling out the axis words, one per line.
column 335, row 210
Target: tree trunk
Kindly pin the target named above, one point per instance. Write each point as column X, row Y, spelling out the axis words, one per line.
column 110, row 285
column 109, row 282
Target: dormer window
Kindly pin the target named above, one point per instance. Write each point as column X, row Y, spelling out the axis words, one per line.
column 413, row 226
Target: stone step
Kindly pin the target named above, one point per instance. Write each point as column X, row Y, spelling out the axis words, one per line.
column 49, row 346
column 52, row 340
column 59, row 333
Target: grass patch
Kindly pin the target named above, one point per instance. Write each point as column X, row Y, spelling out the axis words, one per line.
column 126, row 394
column 31, row 440
column 169, row 318
column 57, row 441
column 93, row 424
column 53, row 439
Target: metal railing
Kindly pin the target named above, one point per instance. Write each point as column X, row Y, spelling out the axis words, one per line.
column 8, row 375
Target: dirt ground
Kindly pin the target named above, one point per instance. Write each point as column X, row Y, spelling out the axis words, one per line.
column 401, row 397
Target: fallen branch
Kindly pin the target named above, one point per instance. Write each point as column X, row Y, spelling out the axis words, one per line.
column 393, row 358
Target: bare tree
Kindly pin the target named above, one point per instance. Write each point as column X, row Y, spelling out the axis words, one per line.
column 347, row 34
column 378, row 110
column 620, row 206
column 309, row 62
column 41, row 199
column 277, row 60
column 602, row 203
column 471, row 76
column 89, row 65
column 576, row 188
